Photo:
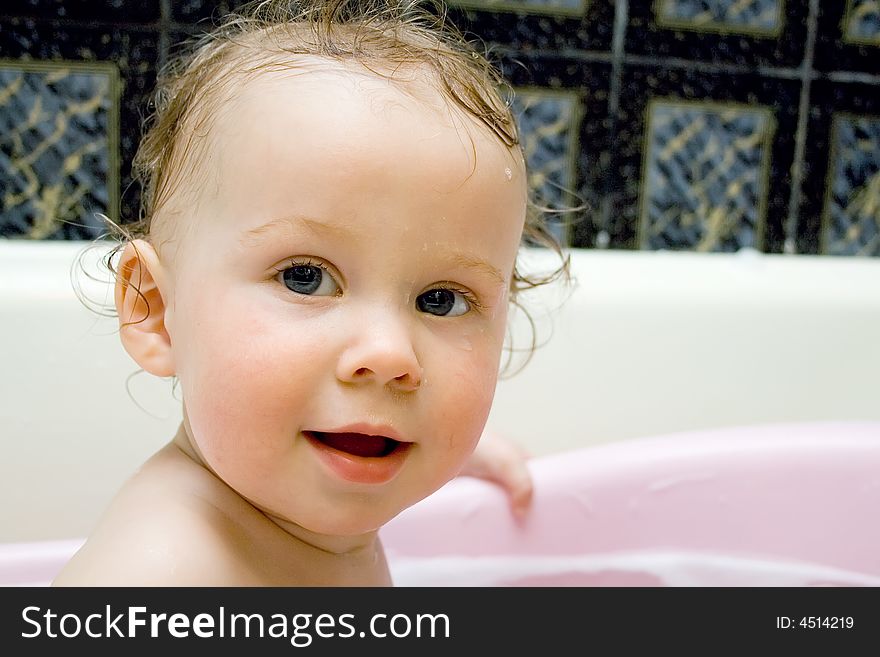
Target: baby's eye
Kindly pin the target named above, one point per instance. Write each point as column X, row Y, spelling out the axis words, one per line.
column 311, row 279
column 443, row 302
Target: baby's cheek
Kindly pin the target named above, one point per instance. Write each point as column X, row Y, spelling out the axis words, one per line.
column 472, row 388
column 246, row 382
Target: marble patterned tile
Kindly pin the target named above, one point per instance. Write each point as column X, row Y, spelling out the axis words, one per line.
column 747, row 33
column 579, row 91
column 732, row 160
column 753, row 17
column 833, row 161
column 705, row 178
column 59, row 127
column 861, row 22
column 548, row 124
column 851, row 217
column 848, row 37
column 133, row 52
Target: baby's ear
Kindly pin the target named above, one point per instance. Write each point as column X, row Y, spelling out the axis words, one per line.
column 140, row 305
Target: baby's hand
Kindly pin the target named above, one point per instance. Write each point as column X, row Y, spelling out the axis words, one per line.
column 503, row 462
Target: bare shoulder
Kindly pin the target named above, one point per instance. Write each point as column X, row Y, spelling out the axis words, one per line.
column 168, row 526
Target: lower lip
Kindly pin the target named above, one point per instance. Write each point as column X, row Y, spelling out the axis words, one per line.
column 360, row 469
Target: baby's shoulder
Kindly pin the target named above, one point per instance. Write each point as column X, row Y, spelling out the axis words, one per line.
column 159, row 532
column 148, row 554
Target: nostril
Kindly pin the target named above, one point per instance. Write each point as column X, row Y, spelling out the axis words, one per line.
column 409, row 380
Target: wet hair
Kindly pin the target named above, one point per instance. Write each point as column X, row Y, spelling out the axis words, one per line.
column 384, row 37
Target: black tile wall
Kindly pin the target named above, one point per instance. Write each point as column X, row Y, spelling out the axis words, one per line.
column 133, row 52
column 670, row 124
column 842, row 166
column 700, row 99
column 105, row 11
column 203, row 12
column 58, row 172
column 573, row 32
column 675, row 29
column 843, row 42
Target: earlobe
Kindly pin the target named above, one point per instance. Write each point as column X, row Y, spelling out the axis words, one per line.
column 140, row 304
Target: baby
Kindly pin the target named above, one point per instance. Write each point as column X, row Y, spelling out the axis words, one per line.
column 335, row 197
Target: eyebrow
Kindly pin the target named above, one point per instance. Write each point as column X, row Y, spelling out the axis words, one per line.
column 474, row 263
column 261, row 234
column 256, row 236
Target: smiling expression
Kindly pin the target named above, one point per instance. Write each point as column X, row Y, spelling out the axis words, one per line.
column 348, row 272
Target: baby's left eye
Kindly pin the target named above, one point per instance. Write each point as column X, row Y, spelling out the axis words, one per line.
column 443, row 302
column 309, row 279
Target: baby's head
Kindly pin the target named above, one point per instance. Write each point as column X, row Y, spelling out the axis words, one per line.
column 334, row 201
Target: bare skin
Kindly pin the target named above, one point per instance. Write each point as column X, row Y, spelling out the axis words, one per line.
column 244, row 495
column 173, row 503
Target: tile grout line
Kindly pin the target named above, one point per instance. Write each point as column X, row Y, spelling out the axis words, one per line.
column 621, row 17
column 164, row 36
column 800, row 146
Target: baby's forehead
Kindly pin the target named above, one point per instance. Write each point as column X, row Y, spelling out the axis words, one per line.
column 296, row 95
column 342, row 101
column 333, row 108
column 338, row 84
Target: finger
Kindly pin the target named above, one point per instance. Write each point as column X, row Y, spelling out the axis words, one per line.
column 513, row 475
column 521, row 488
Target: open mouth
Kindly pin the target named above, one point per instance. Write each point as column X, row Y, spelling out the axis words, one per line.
column 357, row 444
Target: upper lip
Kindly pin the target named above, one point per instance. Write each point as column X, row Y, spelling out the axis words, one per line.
column 367, row 429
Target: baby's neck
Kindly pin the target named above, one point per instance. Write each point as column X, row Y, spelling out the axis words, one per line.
column 349, row 546
column 286, row 552
column 318, row 560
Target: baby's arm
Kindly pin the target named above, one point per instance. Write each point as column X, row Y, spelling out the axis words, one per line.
column 503, row 462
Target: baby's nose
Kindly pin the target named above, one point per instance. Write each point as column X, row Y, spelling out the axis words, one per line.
column 383, row 354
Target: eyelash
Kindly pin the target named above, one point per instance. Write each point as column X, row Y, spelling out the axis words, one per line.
column 308, row 262
column 467, row 294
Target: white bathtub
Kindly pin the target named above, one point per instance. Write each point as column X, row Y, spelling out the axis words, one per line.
column 648, row 344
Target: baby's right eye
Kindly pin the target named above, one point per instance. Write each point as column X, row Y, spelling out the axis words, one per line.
column 310, row 279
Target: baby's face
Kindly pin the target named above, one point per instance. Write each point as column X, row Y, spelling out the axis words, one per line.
column 347, row 273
